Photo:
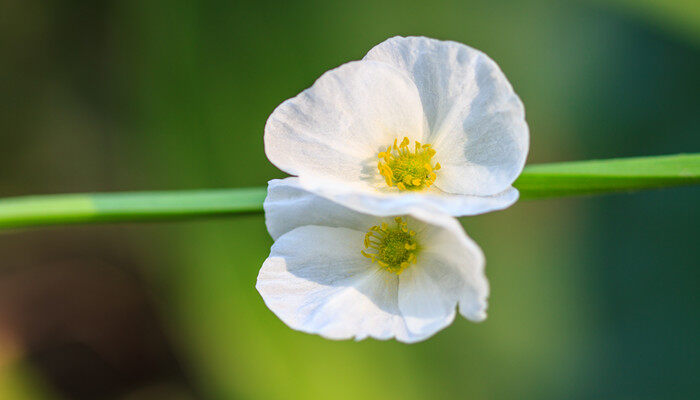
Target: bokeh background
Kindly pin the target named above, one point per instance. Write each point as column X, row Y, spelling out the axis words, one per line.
column 591, row 297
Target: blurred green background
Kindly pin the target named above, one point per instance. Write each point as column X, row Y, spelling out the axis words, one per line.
column 591, row 298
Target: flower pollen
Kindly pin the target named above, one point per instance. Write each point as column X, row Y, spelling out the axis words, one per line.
column 394, row 248
column 408, row 169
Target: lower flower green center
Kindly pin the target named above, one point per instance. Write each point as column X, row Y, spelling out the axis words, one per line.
column 408, row 169
column 393, row 248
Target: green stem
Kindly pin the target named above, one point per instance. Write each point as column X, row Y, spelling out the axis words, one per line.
column 536, row 182
column 607, row 176
column 62, row 209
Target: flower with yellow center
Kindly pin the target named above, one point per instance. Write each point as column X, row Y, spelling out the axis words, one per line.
column 344, row 274
column 417, row 122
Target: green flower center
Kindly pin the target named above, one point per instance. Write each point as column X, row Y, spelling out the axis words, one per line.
column 393, row 248
column 408, row 169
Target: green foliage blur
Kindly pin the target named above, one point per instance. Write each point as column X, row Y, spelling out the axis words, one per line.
column 590, row 298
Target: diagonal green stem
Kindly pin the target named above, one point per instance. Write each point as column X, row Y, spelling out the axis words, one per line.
column 536, row 182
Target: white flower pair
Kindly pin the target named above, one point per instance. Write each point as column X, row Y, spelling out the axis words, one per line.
column 386, row 150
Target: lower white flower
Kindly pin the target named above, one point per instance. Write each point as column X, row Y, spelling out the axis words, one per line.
column 344, row 274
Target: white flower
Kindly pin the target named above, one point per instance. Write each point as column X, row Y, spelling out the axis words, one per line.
column 417, row 122
column 344, row 274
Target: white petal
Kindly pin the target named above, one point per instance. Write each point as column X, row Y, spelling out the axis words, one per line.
column 289, row 206
column 476, row 121
column 316, row 281
column 367, row 200
column 450, row 270
column 336, row 128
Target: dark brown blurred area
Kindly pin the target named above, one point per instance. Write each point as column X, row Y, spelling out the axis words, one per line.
column 76, row 311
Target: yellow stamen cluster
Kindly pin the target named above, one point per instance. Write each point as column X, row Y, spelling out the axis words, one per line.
column 408, row 169
column 394, row 247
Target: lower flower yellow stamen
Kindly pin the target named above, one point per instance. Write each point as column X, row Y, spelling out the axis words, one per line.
column 394, row 248
column 408, row 169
